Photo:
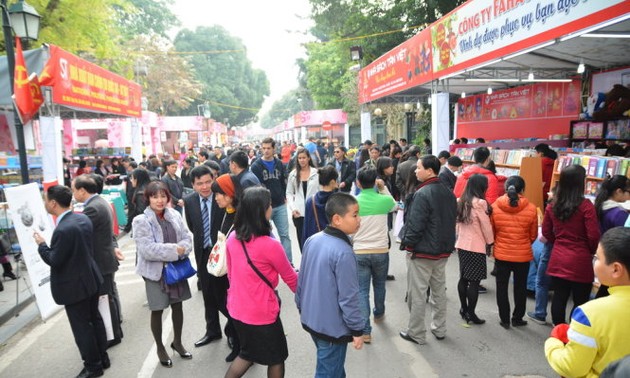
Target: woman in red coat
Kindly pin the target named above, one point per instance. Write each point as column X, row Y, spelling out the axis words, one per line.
column 571, row 224
column 549, row 157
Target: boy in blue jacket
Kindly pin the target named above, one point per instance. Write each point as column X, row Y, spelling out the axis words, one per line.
column 327, row 295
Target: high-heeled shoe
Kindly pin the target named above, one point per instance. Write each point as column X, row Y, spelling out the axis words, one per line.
column 185, row 355
column 472, row 317
column 166, row 363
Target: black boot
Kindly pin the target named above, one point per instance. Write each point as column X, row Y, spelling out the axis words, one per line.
column 8, row 271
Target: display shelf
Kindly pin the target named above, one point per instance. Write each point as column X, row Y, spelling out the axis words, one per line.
column 598, row 169
column 530, row 170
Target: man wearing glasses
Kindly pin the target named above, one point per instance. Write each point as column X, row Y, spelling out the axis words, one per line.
column 345, row 168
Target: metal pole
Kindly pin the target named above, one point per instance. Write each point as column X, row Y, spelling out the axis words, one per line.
column 19, row 128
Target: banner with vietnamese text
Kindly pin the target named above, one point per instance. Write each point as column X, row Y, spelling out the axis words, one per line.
column 406, row 66
column 80, row 84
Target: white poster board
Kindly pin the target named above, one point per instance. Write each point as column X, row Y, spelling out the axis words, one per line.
column 29, row 215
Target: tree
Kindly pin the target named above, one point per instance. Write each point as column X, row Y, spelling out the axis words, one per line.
column 232, row 87
column 146, row 17
column 377, row 26
column 84, row 27
column 169, row 82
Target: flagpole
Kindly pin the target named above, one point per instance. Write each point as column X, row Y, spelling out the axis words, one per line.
column 19, row 128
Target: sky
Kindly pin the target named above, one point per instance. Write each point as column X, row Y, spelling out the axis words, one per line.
column 272, row 31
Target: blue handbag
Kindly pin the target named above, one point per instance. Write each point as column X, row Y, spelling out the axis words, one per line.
column 177, row 271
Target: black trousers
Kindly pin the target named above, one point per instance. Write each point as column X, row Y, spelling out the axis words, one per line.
column 504, row 270
column 299, row 226
column 214, row 290
column 562, row 289
column 89, row 332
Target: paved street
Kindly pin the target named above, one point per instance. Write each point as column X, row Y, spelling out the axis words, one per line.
column 468, row 351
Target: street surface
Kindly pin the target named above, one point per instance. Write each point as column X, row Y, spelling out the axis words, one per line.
column 48, row 349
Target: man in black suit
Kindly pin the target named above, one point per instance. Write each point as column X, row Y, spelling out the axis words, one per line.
column 345, row 168
column 85, row 189
column 214, row 289
column 75, row 279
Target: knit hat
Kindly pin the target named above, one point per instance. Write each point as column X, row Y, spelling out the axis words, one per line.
column 226, row 185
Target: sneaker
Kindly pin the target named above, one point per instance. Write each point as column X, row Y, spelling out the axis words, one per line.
column 367, row 339
column 482, row 289
column 536, row 319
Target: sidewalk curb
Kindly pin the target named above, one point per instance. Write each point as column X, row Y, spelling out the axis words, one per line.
column 8, row 315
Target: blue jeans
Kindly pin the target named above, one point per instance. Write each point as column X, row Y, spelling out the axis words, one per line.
column 542, row 282
column 281, row 221
column 331, row 358
column 372, row 266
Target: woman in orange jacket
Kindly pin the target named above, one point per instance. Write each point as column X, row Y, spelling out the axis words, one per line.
column 515, row 224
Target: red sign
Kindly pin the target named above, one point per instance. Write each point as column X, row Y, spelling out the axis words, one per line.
column 326, row 126
column 518, row 112
column 80, row 84
column 480, row 31
column 406, row 66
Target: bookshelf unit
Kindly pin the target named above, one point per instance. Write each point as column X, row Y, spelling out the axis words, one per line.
column 598, row 168
column 528, row 167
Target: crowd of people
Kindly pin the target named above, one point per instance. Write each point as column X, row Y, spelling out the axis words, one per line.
column 344, row 209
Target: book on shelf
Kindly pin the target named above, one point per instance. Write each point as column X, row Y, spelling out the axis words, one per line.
column 596, row 166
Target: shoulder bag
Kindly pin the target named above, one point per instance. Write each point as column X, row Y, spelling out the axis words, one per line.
column 217, row 261
column 177, row 271
column 262, row 276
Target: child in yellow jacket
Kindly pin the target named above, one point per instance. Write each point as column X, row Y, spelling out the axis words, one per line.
column 599, row 332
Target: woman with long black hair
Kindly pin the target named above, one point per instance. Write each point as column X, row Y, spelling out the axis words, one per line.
column 570, row 223
column 139, row 179
column 255, row 261
column 515, row 225
column 302, row 184
column 474, row 233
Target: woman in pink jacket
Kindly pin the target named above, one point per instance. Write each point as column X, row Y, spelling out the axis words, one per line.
column 474, row 233
column 254, row 261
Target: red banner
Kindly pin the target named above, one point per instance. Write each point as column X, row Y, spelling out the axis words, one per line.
column 80, row 84
column 26, row 91
column 505, row 113
column 406, row 66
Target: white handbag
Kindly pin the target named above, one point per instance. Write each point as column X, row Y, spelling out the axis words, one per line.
column 217, row 261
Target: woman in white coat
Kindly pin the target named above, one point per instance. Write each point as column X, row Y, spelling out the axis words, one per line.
column 303, row 183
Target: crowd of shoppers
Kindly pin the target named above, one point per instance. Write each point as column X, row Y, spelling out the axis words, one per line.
column 345, row 241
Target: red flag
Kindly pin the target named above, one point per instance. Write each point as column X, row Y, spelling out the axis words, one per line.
column 22, row 92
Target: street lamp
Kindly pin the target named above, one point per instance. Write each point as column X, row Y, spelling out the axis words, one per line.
column 356, row 53
column 26, row 25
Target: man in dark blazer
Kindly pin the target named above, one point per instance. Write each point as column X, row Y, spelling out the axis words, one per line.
column 345, row 168
column 214, row 289
column 85, row 189
column 75, row 279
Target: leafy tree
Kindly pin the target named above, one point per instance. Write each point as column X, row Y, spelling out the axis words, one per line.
column 78, row 26
column 377, row 26
column 232, row 87
column 167, row 78
column 146, row 17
